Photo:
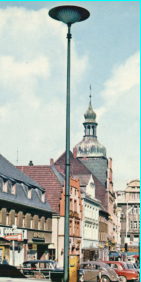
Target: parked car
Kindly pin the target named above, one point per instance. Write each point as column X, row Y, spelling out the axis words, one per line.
column 92, row 268
column 9, row 273
column 47, row 268
column 123, row 272
column 137, row 265
column 133, row 266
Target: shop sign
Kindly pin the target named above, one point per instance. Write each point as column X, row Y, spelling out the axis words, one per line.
column 17, row 237
column 39, row 235
column 133, row 243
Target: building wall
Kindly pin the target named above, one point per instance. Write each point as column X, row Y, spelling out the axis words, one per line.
column 75, row 221
column 129, row 202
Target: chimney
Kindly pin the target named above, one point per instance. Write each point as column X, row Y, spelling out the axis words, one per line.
column 30, row 163
column 75, row 153
column 51, row 162
column 84, row 158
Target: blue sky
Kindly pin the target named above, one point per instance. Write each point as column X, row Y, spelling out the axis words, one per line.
column 104, row 53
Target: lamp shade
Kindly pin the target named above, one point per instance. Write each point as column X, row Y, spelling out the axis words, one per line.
column 69, row 14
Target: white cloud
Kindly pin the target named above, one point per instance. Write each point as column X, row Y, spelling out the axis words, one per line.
column 33, row 60
column 119, row 121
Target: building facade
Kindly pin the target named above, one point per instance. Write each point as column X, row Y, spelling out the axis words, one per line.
column 129, row 202
column 54, row 184
column 25, row 216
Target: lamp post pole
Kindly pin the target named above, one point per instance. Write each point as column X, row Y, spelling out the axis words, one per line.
column 67, row 184
column 68, row 15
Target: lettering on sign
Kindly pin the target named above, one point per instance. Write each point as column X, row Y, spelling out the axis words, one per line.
column 39, row 235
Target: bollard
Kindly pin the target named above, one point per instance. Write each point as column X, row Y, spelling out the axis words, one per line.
column 99, row 275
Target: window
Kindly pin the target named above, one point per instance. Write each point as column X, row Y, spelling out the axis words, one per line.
column 5, row 186
column 71, row 228
column 132, row 196
column 7, row 219
column 43, row 197
column 31, row 223
column 16, row 220
column 131, row 225
column 75, row 205
column 51, row 253
column 135, row 224
column 24, row 221
column 139, row 224
column 71, row 206
column 29, row 194
column 135, row 210
column 39, row 224
column 138, row 196
column 13, row 189
column 138, row 209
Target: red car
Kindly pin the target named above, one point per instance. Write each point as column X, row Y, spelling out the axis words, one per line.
column 122, row 271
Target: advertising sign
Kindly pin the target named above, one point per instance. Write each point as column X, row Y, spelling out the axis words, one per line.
column 17, row 237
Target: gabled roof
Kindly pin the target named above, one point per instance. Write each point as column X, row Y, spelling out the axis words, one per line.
column 77, row 168
column 46, row 177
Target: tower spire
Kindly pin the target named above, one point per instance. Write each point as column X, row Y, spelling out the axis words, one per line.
column 90, row 94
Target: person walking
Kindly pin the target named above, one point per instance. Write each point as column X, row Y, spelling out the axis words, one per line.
column 4, row 261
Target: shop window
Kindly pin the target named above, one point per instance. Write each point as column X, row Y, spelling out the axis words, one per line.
column 13, row 188
column 51, row 254
column 5, row 186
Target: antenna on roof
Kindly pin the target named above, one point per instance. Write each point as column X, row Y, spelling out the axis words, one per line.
column 17, row 157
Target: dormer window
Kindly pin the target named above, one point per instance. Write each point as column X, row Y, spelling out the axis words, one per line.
column 5, row 186
column 29, row 193
column 43, row 197
column 13, row 188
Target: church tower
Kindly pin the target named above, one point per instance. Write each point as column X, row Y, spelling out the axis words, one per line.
column 89, row 151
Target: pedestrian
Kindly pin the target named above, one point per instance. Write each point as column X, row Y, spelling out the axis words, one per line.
column 4, row 261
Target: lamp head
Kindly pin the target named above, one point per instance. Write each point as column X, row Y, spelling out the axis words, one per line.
column 69, row 14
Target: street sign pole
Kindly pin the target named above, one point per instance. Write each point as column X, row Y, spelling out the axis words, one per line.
column 13, row 250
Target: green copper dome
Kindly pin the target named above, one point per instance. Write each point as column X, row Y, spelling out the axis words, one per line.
column 90, row 115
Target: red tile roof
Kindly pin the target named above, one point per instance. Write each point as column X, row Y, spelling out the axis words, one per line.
column 44, row 175
column 77, row 168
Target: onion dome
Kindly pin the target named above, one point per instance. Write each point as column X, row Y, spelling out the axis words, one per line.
column 90, row 115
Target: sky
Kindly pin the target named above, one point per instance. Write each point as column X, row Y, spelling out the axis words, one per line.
column 33, row 66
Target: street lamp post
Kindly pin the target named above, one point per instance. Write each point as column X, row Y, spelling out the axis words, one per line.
column 68, row 15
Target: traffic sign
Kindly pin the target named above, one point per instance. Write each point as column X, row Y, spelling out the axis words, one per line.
column 17, row 237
